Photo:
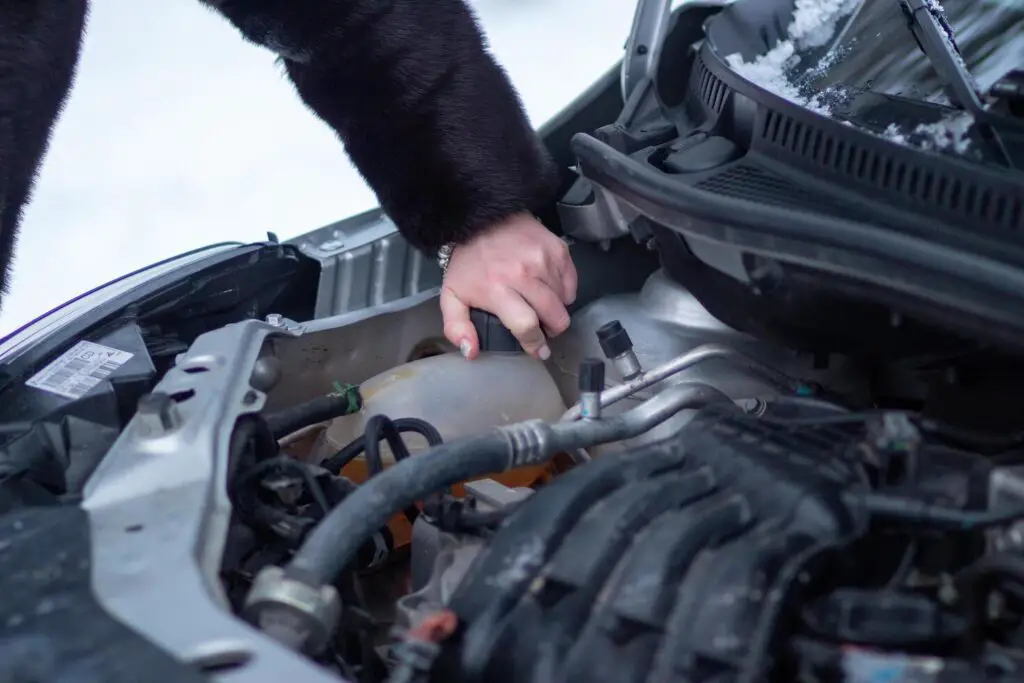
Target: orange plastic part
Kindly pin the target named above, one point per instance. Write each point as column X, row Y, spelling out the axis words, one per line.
column 401, row 530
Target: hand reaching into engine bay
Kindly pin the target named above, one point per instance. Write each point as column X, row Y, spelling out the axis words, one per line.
column 519, row 271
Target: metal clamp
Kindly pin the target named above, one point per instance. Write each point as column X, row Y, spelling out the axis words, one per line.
column 292, row 612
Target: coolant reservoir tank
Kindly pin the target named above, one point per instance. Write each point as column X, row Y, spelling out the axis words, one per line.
column 458, row 397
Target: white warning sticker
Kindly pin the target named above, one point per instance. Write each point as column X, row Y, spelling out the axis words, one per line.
column 79, row 370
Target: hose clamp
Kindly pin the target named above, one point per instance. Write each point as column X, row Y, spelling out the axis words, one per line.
column 530, row 442
column 298, row 615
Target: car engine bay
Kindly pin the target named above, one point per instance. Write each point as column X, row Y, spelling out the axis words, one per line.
column 762, row 465
column 707, row 507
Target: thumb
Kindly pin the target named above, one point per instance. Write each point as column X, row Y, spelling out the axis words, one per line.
column 458, row 329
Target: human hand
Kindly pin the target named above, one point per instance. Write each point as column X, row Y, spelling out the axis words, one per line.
column 519, row 271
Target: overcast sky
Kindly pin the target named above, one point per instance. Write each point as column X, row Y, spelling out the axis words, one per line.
column 178, row 134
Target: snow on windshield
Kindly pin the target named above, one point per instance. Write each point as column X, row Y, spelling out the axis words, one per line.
column 781, row 70
column 813, row 45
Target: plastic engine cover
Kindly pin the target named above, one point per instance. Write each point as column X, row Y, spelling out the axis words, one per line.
column 672, row 562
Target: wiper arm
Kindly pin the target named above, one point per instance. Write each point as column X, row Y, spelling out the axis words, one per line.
column 935, row 37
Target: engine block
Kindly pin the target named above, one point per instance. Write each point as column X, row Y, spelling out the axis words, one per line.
column 691, row 559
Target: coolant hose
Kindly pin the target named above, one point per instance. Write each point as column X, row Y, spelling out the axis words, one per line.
column 345, row 401
column 329, row 548
column 335, row 542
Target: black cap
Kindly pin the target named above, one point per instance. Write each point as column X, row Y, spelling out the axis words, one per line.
column 591, row 376
column 493, row 336
column 614, row 339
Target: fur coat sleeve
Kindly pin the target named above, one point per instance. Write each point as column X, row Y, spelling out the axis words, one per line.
column 428, row 117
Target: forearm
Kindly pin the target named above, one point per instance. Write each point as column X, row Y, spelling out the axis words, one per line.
column 427, row 116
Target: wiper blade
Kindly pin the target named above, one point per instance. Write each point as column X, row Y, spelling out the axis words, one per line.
column 934, row 34
column 936, row 39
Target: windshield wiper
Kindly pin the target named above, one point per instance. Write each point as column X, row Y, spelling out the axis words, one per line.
column 937, row 41
column 935, row 36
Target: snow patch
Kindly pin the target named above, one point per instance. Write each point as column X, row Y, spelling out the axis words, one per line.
column 814, row 24
column 950, row 134
column 894, row 134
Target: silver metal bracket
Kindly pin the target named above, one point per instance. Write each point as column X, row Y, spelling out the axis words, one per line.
column 643, row 48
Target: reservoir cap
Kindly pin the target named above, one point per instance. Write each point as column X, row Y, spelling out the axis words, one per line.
column 494, row 337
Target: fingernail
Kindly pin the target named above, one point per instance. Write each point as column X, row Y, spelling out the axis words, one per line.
column 464, row 348
column 544, row 353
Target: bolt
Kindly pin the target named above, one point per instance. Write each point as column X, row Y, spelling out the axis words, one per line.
column 159, row 411
column 331, row 245
column 266, row 373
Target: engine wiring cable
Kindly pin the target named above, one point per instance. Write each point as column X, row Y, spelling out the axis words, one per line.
column 785, row 585
column 457, row 516
column 251, row 440
column 985, row 444
column 282, row 462
column 918, row 514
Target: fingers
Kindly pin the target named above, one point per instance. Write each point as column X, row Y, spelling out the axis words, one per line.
column 523, row 309
column 521, row 319
column 518, row 271
column 546, row 302
column 568, row 276
column 553, row 265
column 458, row 328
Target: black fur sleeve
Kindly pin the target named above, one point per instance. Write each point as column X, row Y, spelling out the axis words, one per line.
column 428, row 117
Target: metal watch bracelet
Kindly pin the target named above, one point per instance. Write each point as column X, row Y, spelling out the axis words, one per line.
column 444, row 256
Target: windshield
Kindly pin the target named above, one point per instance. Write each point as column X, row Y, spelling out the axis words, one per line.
column 860, row 61
column 874, row 50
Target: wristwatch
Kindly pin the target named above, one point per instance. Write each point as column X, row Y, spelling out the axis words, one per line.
column 444, row 256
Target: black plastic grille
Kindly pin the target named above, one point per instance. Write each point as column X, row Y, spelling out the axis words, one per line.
column 760, row 185
column 711, row 90
column 933, row 190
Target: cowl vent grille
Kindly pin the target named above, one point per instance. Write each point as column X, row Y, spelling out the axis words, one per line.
column 710, row 89
column 931, row 189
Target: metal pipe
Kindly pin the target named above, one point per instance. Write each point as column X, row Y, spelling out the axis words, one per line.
column 303, row 591
column 646, row 416
column 677, row 365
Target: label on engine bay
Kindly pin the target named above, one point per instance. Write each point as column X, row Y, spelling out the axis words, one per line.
column 79, row 370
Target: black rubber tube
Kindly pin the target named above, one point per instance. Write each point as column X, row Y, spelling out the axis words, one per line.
column 976, row 583
column 319, row 409
column 334, row 544
column 918, row 514
column 375, row 430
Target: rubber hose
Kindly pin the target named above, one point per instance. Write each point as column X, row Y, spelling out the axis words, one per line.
column 319, row 409
column 976, row 582
column 334, row 543
column 337, row 539
column 380, row 427
column 337, row 462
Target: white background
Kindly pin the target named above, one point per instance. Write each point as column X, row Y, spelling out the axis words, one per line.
column 178, row 134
